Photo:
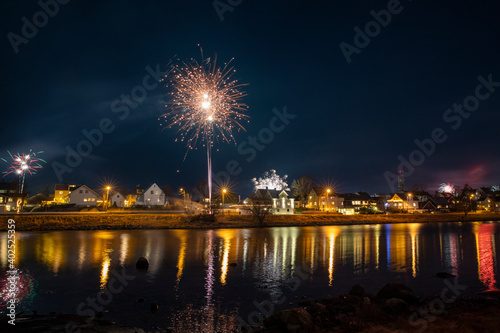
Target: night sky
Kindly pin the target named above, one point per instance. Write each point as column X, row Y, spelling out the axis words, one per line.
column 352, row 120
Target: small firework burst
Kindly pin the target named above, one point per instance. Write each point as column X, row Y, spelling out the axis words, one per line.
column 447, row 188
column 23, row 164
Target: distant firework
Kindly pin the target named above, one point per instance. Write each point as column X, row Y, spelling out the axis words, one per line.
column 23, row 164
column 447, row 188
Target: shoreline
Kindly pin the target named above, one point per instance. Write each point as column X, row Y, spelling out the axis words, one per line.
column 141, row 220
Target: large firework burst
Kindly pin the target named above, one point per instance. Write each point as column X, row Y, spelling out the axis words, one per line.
column 205, row 104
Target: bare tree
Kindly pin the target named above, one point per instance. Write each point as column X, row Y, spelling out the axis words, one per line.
column 302, row 187
column 259, row 212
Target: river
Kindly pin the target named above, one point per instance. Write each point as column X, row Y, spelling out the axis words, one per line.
column 202, row 278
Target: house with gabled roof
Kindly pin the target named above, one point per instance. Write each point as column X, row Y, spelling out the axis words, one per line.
column 118, row 200
column 84, row 196
column 278, row 201
column 403, row 201
column 437, row 204
column 152, row 196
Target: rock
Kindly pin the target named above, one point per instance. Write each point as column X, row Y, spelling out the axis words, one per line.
column 305, row 303
column 154, row 307
column 317, row 308
column 233, row 264
column 445, row 275
column 395, row 306
column 397, row 290
column 292, row 320
column 357, row 290
column 142, row 264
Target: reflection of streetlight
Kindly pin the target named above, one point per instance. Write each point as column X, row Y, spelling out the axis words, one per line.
column 471, row 196
column 107, row 197
column 223, row 192
column 409, row 199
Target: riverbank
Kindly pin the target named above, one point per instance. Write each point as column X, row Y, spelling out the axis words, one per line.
column 395, row 308
column 118, row 221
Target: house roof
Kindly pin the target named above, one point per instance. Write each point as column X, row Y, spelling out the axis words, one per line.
column 82, row 187
column 440, row 201
column 61, row 187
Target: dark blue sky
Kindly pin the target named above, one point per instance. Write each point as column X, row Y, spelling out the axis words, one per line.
column 352, row 120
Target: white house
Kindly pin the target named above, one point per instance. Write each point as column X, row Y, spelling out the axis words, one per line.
column 118, row 200
column 279, row 202
column 152, row 196
column 83, row 196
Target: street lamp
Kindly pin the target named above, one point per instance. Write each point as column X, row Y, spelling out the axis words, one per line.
column 224, row 190
column 184, row 196
column 409, row 199
column 107, row 197
column 327, row 198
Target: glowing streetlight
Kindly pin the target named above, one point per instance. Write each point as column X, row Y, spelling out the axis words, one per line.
column 107, row 197
column 327, row 198
column 224, row 190
column 181, row 190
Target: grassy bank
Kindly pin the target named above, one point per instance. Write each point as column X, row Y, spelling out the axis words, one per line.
column 93, row 221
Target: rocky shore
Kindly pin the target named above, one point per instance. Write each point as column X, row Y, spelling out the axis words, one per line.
column 395, row 308
column 118, row 221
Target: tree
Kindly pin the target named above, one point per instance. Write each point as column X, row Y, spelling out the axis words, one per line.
column 418, row 188
column 259, row 212
column 301, row 188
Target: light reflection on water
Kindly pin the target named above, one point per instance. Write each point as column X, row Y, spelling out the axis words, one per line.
column 191, row 276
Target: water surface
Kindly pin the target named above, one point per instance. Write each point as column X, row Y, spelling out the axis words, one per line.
column 193, row 277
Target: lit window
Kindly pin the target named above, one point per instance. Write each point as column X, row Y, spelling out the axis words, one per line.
column 157, row 192
column 60, row 192
column 85, row 199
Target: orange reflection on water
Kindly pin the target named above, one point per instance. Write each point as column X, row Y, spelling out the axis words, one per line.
column 414, row 247
column 486, row 255
column 227, row 235
column 51, row 251
column 332, row 232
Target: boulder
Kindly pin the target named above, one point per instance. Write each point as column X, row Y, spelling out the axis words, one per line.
column 358, row 290
column 397, row 290
column 395, row 306
column 142, row 264
column 293, row 320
